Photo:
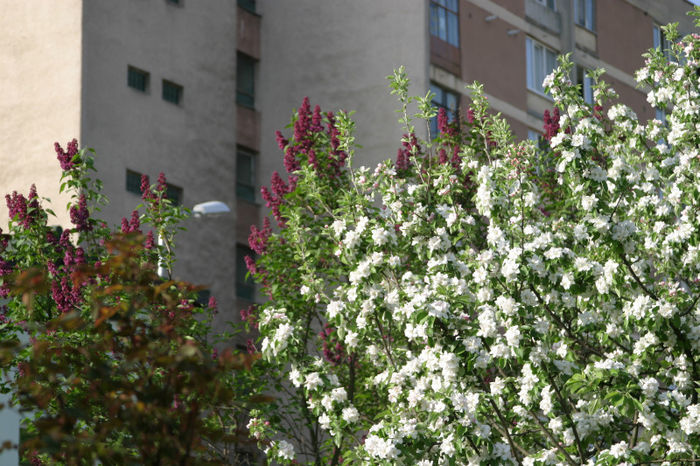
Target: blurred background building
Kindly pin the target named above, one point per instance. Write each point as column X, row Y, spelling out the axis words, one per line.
column 196, row 89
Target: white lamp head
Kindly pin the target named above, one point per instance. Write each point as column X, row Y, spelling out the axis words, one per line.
column 210, row 208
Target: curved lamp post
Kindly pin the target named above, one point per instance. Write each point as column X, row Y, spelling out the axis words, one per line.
column 204, row 209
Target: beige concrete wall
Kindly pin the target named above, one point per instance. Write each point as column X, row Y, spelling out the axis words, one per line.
column 193, row 143
column 40, row 66
column 338, row 53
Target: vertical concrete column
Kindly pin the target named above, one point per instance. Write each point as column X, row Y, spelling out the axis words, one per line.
column 567, row 35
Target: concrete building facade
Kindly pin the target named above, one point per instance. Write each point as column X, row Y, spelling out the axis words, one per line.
column 197, row 89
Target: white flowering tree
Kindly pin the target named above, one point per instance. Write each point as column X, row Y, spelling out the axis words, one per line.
column 479, row 301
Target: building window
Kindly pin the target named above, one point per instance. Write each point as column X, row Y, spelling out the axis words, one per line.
column 172, row 92
column 245, row 287
column 245, row 174
column 444, row 22
column 133, row 182
column 248, row 5
column 133, row 185
column 586, row 83
column 551, row 4
column 245, row 80
column 443, row 99
column 137, row 79
column 174, row 193
column 202, row 298
column 584, row 13
column 541, row 61
column 661, row 42
column 540, row 142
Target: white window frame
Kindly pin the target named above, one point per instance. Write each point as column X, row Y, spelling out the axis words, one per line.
column 444, row 20
column 548, row 57
column 661, row 42
column 588, row 19
column 551, row 4
column 586, row 83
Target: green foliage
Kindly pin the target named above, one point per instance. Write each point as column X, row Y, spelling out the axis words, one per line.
column 117, row 368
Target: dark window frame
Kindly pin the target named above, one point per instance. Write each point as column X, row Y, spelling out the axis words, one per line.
column 246, row 185
column 138, row 79
column 172, row 92
column 245, row 286
column 133, row 181
column 245, row 79
column 247, row 5
column 173, row 192
column 441, row 99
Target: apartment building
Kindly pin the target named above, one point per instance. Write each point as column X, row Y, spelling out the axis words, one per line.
column 510, row 46
column 197, row 89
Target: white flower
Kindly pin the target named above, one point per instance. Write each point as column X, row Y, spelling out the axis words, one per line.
column 588, row 202
column 649, row 386
column 546, row 404
column 558, row 139
column 339, row 394
column 497, row 386
column 690, row 424
column 350, row 414
column 619, row 450
column 333, row 308
column 313, row 380
column 379, row 448
column 338, row 227
column 507, row 305
column 324, row 421
column 296, row 377
column 351, row 339
column 513, row 336
column 548, row 80
column 285, row 449
column 567, row 280
column 380, row 236
column 578, row 140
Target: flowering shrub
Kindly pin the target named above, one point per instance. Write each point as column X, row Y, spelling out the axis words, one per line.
column 117, row 368
column 449, row 308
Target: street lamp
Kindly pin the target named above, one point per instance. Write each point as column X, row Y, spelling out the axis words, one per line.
column 210, row 208
column 204, row 209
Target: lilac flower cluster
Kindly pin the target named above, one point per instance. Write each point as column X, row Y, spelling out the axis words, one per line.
column 409, row 146
column 274, row 199
column 80, row 216
column 551, row 124
column 309, row 134
column 66, row 158
column 258, row 238
column 132, row 225
column 23, row 210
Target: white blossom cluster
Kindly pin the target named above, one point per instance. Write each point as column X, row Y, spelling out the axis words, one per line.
column 485, row 320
